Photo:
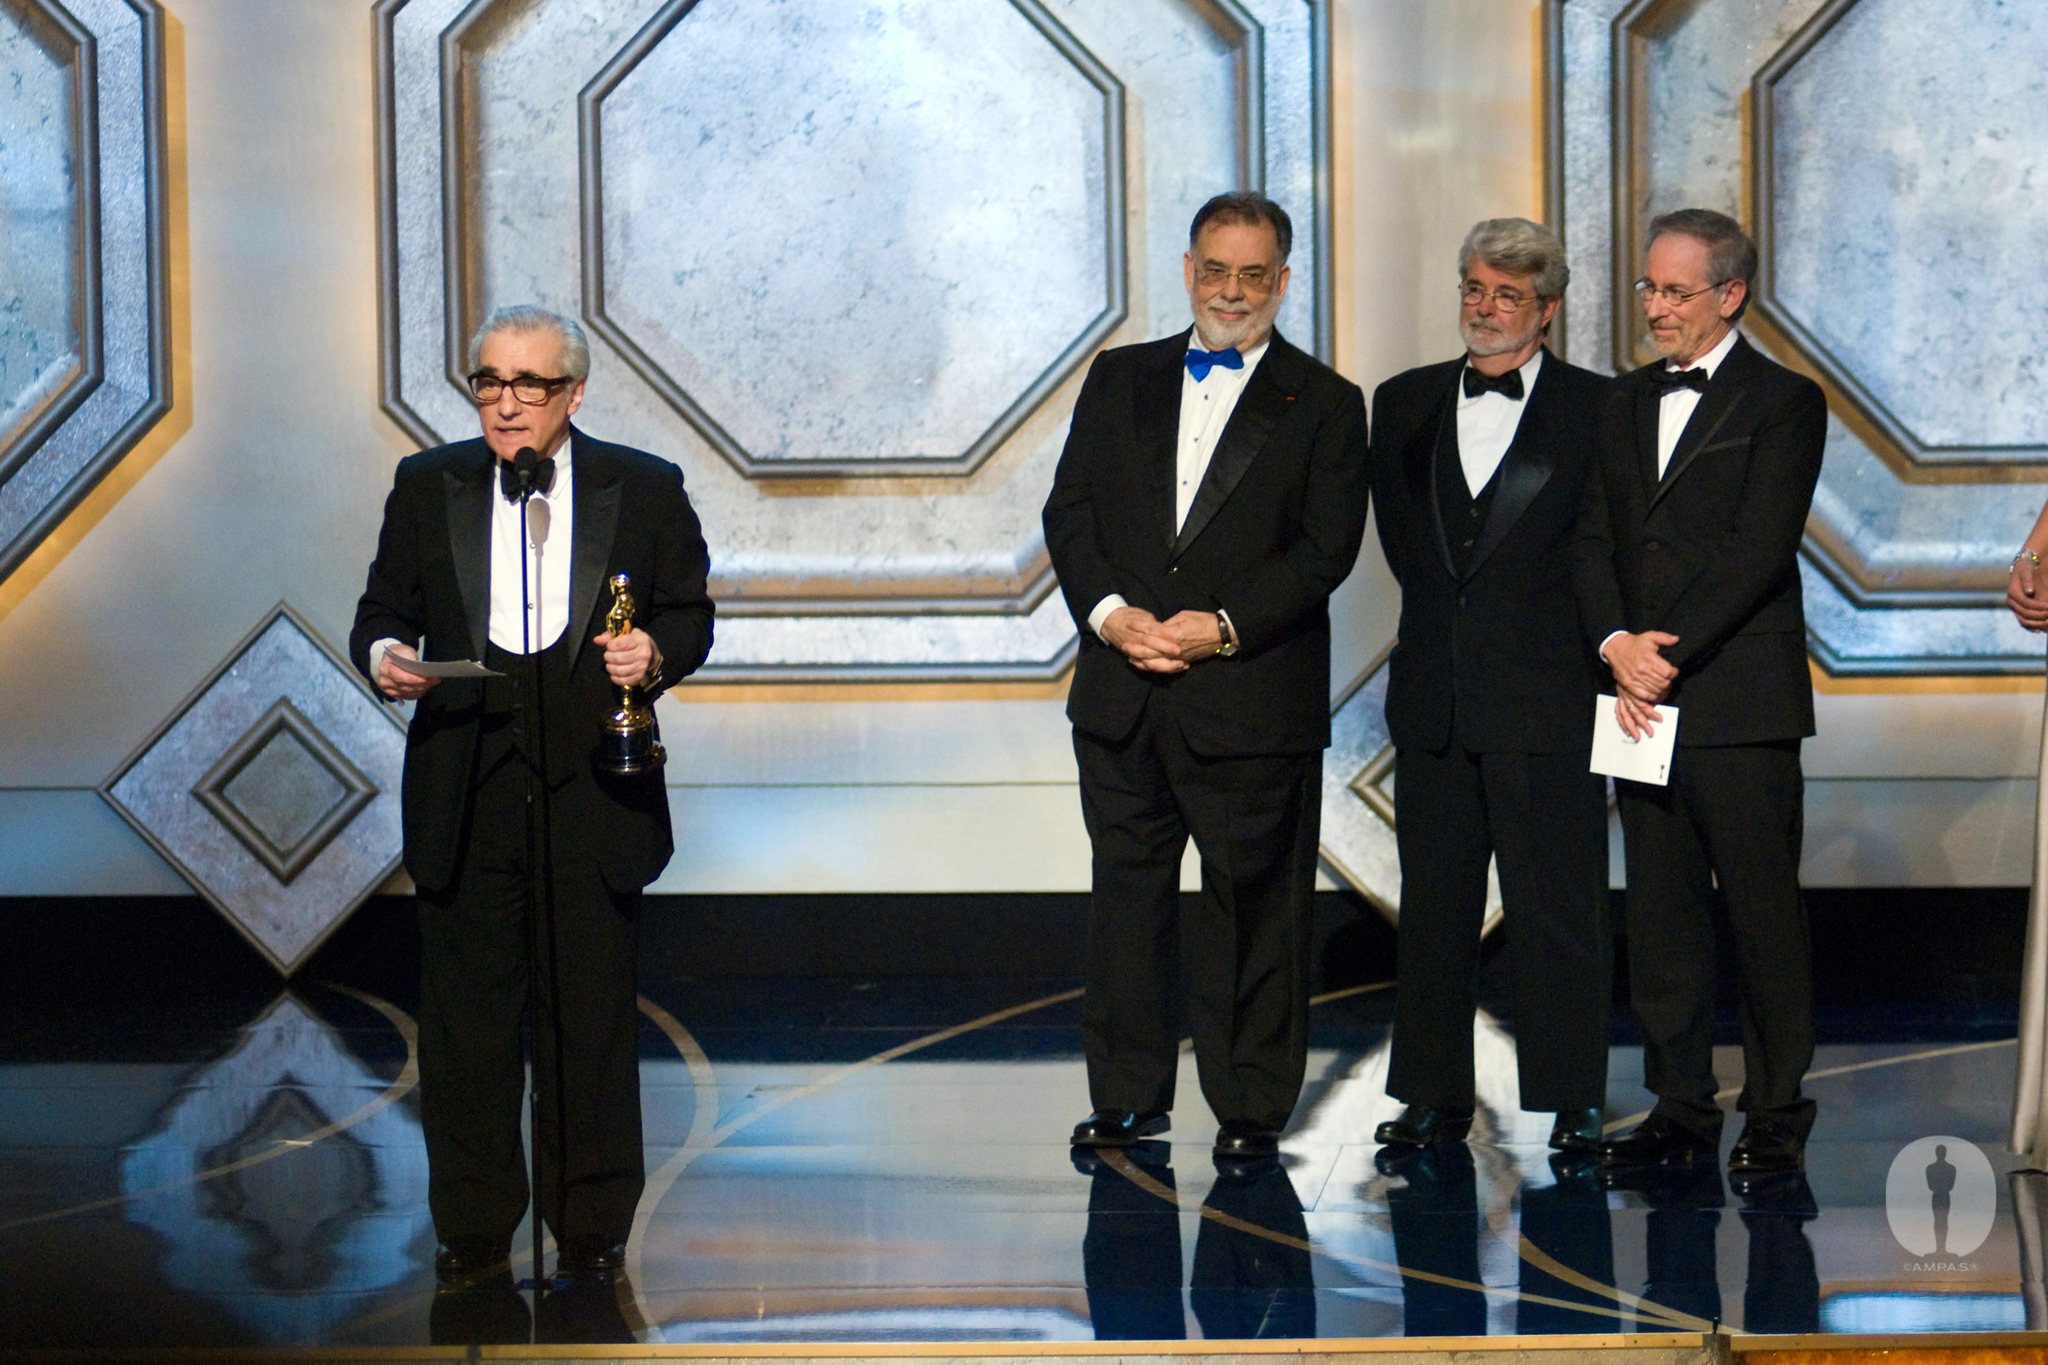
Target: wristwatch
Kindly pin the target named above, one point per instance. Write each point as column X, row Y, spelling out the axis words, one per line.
column 1229, row 645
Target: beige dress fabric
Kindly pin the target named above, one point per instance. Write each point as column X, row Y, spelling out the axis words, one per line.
column 2030, row 1098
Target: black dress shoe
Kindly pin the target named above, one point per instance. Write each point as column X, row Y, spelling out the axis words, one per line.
column 592, row 1258
column 1656, row 1141
column 470, row 1260
column 1766, row 1147
column 1425, row 1125
column 1576, row 1130
column 1118, row 1127
column 1239, row 1138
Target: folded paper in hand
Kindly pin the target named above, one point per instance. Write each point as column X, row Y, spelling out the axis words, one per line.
column 440, row 668
column 1644, row 760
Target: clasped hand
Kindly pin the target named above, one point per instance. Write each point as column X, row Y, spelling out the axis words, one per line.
column 1158, row 646
column 2020, row 594
column 1642, row 678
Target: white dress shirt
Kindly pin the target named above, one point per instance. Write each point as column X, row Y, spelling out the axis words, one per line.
column 1674, row 410
column 1677, row 405
column 547, row 564
column 1205, row 408
column 551, row 610
column 1487, row 424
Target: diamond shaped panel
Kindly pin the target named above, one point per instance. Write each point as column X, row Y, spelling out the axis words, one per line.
column 273, row 789
column 284, row 790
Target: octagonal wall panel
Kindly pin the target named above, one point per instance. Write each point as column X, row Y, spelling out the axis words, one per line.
column 49, row 313
column 1905, row 560
column 835, row 121
column 84, row 342
column 941, row 574
column 1927, row 137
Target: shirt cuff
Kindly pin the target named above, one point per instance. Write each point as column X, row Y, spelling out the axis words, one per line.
column 377, row 655
column 1602, row 651
column 1113, row 602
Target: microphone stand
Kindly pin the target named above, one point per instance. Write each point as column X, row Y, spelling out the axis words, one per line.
column 540, row 885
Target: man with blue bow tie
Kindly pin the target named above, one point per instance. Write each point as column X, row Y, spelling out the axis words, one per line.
column 1211, row 496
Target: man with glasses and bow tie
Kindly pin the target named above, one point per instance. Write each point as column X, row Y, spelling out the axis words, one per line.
column 1689, row 569
column 1212, row 494
column 504, row 808
column 1480, row 467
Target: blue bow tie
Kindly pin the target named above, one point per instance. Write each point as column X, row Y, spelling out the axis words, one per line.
column 1200, row 362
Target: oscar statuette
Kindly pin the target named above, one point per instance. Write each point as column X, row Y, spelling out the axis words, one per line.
column 628, row 746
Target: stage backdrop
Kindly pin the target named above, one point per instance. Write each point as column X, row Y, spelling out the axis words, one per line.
column 845, row 262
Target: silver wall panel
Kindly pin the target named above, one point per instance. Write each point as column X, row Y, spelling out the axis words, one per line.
column 1882, row 154
column 84, row 344
column 838, row 260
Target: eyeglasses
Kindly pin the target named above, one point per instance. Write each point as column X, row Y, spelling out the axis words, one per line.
column 1253, row 277
column 530, row 389
column 1472, row 294
column 1672, row 296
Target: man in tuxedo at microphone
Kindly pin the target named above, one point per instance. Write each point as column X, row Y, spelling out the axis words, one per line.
column 1689, row 569
column 1480, row 465
column 504, row 808
column 1212, row 494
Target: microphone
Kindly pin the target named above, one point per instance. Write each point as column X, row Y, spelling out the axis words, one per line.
column 538, row 517
column 525, row 469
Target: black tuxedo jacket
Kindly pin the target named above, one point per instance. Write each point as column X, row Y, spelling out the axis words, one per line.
column 431, row 579
column 1710, row 552
column 1274, row 529
column 1497, row 652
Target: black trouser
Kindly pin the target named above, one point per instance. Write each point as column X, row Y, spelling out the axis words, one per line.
column 1734, row 814
column 1255, row 822
column 474, row 938
column 1544, row 817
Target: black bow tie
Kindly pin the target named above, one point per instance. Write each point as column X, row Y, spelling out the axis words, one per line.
column 1668, row 379
column 543, row 477
column 1507, row 385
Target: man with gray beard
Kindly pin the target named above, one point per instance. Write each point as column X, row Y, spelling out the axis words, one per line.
column 1480, row 467
column 1211, row 496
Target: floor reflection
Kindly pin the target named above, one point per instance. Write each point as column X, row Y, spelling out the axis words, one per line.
column 274, row 1193
column 853, row 1163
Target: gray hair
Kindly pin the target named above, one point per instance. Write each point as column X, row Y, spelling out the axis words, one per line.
column 1248, row 208
column 1518, row 247
column 529, row 317
column 1731, row 253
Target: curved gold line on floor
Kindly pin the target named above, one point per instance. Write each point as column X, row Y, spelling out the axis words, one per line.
column 1498, row 1221
column 703, row 1124
column 408, row 1077
column 753, row 1116
column 1826, row 1073
column 1368, row 988
column 704, row 1135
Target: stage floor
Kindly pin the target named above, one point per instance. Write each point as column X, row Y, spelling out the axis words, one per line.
column 193, row 1154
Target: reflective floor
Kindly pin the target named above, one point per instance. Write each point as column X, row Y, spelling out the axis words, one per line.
column 192, row 1154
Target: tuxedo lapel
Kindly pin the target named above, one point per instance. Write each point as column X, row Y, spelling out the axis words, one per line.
column 1648, row 401
column 1723, row 396
column 1156, row 397
column 1426, row 446
column 468, row 494
column 1524, row 470
column 598, row 488
column 1266, row 395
